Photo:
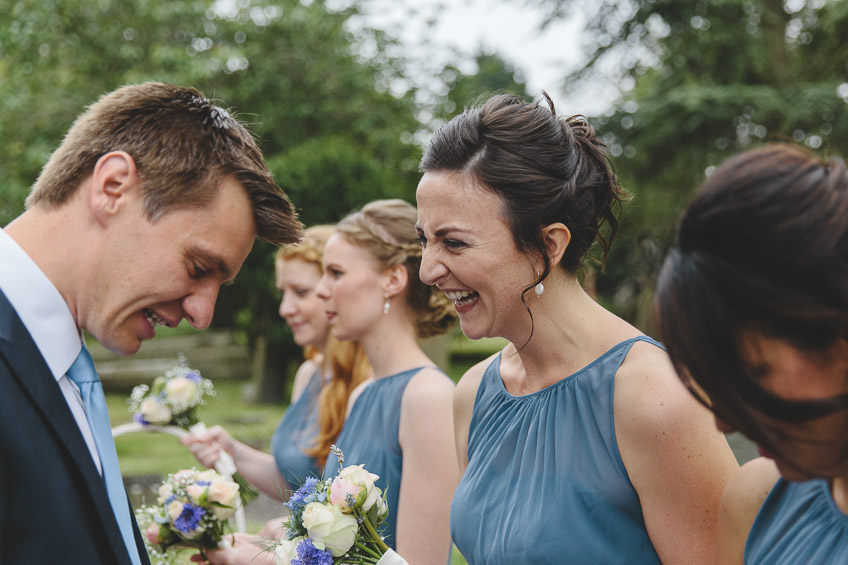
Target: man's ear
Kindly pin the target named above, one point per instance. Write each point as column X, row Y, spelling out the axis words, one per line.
column 557, row 237
column 114, row 179
column 395, row 280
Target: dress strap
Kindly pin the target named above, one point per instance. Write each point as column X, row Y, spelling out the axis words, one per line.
column 645, row 338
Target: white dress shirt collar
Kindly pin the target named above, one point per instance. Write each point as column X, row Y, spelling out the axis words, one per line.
column 40, row 307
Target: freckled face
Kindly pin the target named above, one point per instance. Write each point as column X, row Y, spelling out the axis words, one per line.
column 818, row 446
column 352, row 289
column 301, row 307
column 469, row 254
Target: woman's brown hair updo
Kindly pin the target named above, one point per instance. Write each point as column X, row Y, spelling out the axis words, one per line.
column 386, row 229
column 547, row 169
column 761, row 249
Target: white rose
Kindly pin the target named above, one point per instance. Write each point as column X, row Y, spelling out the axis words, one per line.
column 195, row 492
column 286, row 550
column 357, row 474
column 180, row 392
column 226, row 493
column 154, row 411
column 174, row 510
column 326, row 524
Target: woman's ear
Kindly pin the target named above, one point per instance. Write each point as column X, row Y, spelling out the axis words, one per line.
column 556, row 237
column 114, row 177
column 396, row 279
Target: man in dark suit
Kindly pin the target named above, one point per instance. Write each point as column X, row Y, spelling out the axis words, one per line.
column 149, row 205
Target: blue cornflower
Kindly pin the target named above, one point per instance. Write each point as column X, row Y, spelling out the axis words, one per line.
column 189, row 519
column 308, row 554
column 193, row 376
column 203, row 483
column 302, row 496
column 140, row 419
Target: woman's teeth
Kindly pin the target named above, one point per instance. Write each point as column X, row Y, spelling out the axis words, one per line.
column 153, row 318
column 461, row 297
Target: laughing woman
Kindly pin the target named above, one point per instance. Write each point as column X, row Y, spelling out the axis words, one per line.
column 315, row 416
column 753, row 300
column 399, row 425
column 578, row 442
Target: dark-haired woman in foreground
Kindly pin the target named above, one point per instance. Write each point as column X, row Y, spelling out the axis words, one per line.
column 753, row 304
column 577, row 441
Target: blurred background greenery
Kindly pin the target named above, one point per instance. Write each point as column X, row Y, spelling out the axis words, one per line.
column 694, row 83
column 340, row 123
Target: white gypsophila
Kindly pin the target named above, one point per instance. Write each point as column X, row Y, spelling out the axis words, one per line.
column 136, row 396
column 183, row 477
column 165, row 492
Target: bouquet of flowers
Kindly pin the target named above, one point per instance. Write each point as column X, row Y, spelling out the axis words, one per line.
column 336, row 521
column 172, row 402
column 173, row 398
column 192, row 511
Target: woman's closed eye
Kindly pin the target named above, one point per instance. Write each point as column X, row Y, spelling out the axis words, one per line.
column 454, row 244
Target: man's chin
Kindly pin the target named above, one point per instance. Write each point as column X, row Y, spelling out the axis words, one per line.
column 124, row 348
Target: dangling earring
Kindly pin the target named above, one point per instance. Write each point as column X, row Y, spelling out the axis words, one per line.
column 540, row 288
column 387, row 305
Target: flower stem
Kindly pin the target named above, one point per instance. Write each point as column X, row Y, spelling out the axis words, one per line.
column 367, row 550
column 370, row 527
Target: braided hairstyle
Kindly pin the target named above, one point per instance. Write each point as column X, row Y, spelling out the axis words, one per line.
column 386, row 229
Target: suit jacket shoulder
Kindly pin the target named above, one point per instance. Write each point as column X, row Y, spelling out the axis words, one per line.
column 53, row 502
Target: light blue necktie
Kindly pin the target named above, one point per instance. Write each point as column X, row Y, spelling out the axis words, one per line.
column 82, row 372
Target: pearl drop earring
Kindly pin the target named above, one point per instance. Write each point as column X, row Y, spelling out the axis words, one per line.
column 540, row 288
column 387, row 305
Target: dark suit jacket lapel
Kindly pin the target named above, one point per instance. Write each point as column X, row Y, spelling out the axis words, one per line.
column 29, row 369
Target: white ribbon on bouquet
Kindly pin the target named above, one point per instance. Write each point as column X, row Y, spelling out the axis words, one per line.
column 225, row 465
column 391, row 558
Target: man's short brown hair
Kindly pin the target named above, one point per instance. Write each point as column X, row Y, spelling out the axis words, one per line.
column 183, row 145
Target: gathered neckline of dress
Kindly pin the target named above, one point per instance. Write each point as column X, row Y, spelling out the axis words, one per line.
column 824, row 486
column 573, row 376
column 404, row 372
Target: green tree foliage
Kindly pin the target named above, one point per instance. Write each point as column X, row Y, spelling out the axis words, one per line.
column 310, row 79
column 700, row 81
column 493, row 74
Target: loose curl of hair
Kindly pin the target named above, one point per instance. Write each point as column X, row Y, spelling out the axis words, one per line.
column 763, row 249
column 545, row 168
column 345, row 362
column 386, row 229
